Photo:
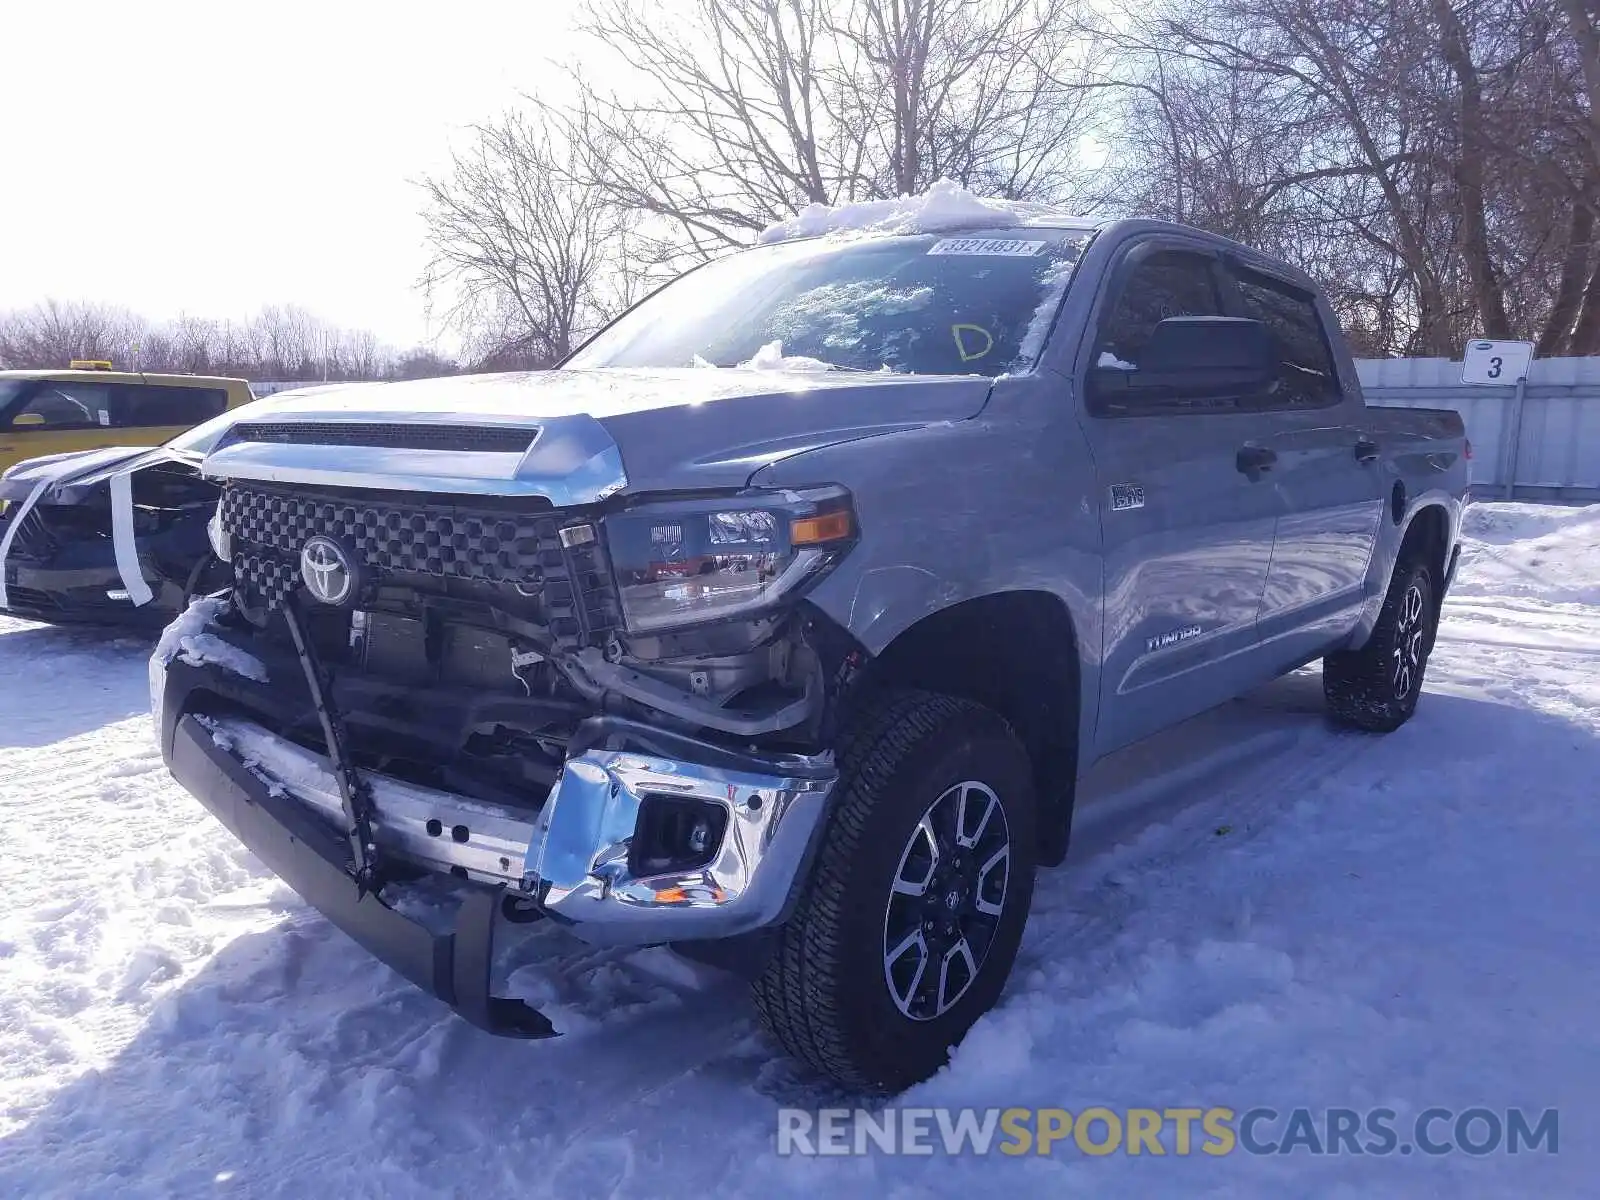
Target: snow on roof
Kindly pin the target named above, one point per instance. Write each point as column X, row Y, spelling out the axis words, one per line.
column 945, row 205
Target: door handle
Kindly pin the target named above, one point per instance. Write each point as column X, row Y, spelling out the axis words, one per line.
column 1252, row 460
column 1366, row 451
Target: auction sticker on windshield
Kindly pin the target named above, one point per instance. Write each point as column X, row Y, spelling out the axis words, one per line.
column 1008, row 247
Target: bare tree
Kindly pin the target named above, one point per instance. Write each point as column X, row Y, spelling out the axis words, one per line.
column 739, row 112
column 55, row 332
column 280, row 343
column 1425, row 159
column 531, row 257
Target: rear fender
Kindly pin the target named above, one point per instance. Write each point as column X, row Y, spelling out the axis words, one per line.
column 1429, row 524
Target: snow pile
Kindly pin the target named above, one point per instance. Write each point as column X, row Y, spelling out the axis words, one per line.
column 945, row 205
column 1543, row 551
column 771, row 358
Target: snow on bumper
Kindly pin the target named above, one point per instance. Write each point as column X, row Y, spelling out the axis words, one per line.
column 190, row 639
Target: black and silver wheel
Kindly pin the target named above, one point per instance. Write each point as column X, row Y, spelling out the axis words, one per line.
column 908, row 926
column 1377, row 687
column 945, row 904
column 1406, row 654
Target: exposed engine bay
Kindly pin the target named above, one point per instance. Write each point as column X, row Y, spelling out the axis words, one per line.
column 467, row 640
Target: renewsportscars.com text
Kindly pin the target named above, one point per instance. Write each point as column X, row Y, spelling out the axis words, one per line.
column 1214, row 1131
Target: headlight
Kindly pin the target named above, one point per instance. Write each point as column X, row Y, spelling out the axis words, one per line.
column 218, row 537
column 703, row 560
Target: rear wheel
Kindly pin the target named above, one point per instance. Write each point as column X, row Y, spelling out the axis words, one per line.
column 1377, row 687
column 911, row 919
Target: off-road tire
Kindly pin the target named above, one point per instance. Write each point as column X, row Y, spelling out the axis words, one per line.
column 825, row 992
column 1377, row 687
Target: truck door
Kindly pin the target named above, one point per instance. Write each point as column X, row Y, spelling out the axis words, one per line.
column 1326, row 469
column 1187, row 519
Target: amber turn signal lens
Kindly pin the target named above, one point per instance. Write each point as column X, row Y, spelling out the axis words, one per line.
column 825, row 527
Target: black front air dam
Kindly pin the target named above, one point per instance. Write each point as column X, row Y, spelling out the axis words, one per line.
column 310, row 857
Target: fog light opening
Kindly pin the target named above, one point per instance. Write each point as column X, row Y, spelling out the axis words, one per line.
column 675, row 834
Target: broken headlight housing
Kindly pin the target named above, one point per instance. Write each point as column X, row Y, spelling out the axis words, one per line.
column 692, row 561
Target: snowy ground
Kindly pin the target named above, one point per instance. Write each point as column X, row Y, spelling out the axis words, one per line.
column 1260, row 911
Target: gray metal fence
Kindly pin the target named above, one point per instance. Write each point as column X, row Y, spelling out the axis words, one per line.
column 1550, row 450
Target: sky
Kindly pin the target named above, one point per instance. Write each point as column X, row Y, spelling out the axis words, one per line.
column 212, row 156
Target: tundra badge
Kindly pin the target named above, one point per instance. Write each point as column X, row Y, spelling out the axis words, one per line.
column 1171, row 638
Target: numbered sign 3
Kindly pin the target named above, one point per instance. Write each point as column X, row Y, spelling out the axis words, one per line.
column 1496, row 362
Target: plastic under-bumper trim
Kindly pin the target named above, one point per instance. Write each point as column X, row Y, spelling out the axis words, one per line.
column 311, row 858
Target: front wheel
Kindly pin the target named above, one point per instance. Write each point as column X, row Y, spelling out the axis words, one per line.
column 911, row 919
column 1377, row 687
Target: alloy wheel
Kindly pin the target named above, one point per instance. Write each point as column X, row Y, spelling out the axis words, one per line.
column 946, row 899
column 1409, row 634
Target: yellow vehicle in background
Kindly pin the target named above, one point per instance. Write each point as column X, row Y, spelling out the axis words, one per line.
column 90, row 406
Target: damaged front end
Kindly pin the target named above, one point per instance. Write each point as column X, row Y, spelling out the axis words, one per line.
column 123, row 543
column 610, row 714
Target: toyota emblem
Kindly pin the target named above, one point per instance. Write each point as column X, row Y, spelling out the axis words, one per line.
column 328, row 570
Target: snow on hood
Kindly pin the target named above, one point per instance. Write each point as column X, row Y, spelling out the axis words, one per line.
column 945, row 205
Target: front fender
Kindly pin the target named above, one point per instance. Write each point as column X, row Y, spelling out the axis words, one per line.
column 958, row 510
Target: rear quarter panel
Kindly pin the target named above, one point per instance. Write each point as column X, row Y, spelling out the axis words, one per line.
column 1422, row 454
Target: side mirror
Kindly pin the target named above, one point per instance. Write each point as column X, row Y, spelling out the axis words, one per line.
column 1198, row 358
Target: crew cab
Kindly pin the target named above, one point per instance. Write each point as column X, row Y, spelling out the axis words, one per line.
column 779, row 623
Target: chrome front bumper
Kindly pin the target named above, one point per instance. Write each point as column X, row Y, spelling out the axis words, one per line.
column 577, row 863
column 570, row 856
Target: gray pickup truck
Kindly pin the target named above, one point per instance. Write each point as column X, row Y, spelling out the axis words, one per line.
column 778, row 624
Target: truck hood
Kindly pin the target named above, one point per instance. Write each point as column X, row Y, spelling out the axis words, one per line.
column 73, row 475
column 574, row 436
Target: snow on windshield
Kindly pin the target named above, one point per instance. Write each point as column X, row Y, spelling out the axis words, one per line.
column 772, row 358
column 980, row 303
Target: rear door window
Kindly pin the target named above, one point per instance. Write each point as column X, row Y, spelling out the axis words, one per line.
column 1306, row 376
column 154, row 406
column 54, row 404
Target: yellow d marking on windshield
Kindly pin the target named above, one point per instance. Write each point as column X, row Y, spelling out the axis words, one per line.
column 963, row 349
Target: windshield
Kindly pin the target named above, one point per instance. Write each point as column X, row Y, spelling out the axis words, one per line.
column 977, row 304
